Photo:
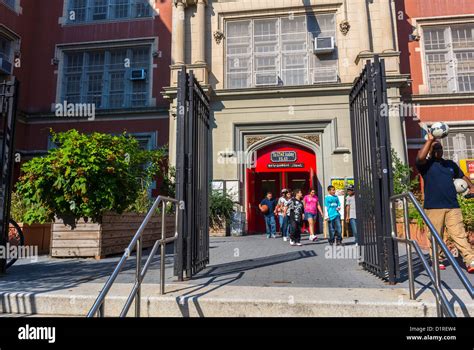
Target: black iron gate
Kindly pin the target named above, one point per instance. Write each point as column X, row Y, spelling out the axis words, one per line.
column 373, row 171
column 8, row 100
column 192, row 175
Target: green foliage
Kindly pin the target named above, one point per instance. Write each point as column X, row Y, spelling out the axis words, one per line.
column 87, row 175
column 221, row 208
column 142, row 203
column 402, row 176
column 18, row 207
column 467, row 208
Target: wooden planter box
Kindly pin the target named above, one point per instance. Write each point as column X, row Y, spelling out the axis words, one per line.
column 223, row 232
column 110, row 237
column 37, row 235
column 417, row 233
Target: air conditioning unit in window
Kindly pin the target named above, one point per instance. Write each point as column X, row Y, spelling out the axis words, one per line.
column 324, row 44
column 266, row 78
column 138, row 74
column 6, row 67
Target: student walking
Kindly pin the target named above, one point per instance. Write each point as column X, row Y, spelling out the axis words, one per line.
column 280, row 208
column 296, row 209
column 311, row 208
column 268, row 208
column 286, row 219
column 441, row 204
column 333, row 206
column 351, row 212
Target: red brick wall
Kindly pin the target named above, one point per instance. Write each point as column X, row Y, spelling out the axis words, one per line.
column 411, row 63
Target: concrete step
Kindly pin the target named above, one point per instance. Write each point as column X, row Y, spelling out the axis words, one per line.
column 186, row 300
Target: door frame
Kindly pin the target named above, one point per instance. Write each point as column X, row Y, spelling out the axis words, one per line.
column 293, row 139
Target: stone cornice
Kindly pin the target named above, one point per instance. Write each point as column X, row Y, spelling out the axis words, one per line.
column 441, row 99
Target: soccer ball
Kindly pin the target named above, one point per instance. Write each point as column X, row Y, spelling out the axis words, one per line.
column 439, row 130
column 460, row 185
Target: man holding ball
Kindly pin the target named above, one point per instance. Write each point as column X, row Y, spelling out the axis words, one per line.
column 441, row 203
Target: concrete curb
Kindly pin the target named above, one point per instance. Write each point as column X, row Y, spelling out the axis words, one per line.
column 233, row 301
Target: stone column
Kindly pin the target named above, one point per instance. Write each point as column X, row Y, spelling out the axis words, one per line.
column 364, row 37
column 387, row 25
column 179, row 34
column 201, row 35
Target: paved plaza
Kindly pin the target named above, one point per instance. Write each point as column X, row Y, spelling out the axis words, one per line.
column 252, row 261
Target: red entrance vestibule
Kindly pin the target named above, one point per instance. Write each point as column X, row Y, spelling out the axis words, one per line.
column 278, row 166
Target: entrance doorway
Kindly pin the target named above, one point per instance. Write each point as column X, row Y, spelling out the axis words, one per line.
column 278, row 166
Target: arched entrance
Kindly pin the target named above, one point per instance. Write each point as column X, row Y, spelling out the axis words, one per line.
column 277, row 165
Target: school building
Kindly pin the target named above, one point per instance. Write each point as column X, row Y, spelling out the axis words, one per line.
column 279, row 74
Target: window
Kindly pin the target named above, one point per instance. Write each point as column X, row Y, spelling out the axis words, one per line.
column 459, row 144
column 5, row 48
column 449, row 54
column 9, row 3
column 103, row 77
column 80, row 11
column 279, row 51
column 6, row 56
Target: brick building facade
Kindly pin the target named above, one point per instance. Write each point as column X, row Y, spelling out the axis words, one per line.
column 114, row 55
column 436, row 39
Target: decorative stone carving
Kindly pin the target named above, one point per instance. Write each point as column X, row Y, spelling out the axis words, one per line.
column 218, row 36
column 313, row 138
column 344, row 26
column 251, row 140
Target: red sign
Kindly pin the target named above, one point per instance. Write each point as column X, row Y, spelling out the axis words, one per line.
column 470, row 167
column 285, row 157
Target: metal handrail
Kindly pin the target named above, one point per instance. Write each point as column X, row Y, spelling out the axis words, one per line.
column 135, row 294
column 442, row 301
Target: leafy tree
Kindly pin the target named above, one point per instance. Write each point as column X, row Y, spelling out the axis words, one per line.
column 87, row 175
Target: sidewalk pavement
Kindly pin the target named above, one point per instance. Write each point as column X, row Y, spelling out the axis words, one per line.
column 240, row 267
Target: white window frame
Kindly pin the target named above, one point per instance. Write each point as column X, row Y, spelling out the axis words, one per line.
column 458, row 128
column 87, row 49
column 89, row 11
column 453, row 86
column 309, row 59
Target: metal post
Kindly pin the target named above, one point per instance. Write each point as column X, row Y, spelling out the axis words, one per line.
column 101, row 309
column 411, row 277
column 138, row 297
column 435, row 258
column 163, row 250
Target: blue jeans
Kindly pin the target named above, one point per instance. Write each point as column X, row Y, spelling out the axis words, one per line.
column 353, row 224
column 284, row 225
column 335, row 230
column 270, row 225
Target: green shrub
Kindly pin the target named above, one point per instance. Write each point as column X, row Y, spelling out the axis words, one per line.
column 402, row 176
column 18, row 207
column 467, row 208
column 87, row 175
column 221, row 208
